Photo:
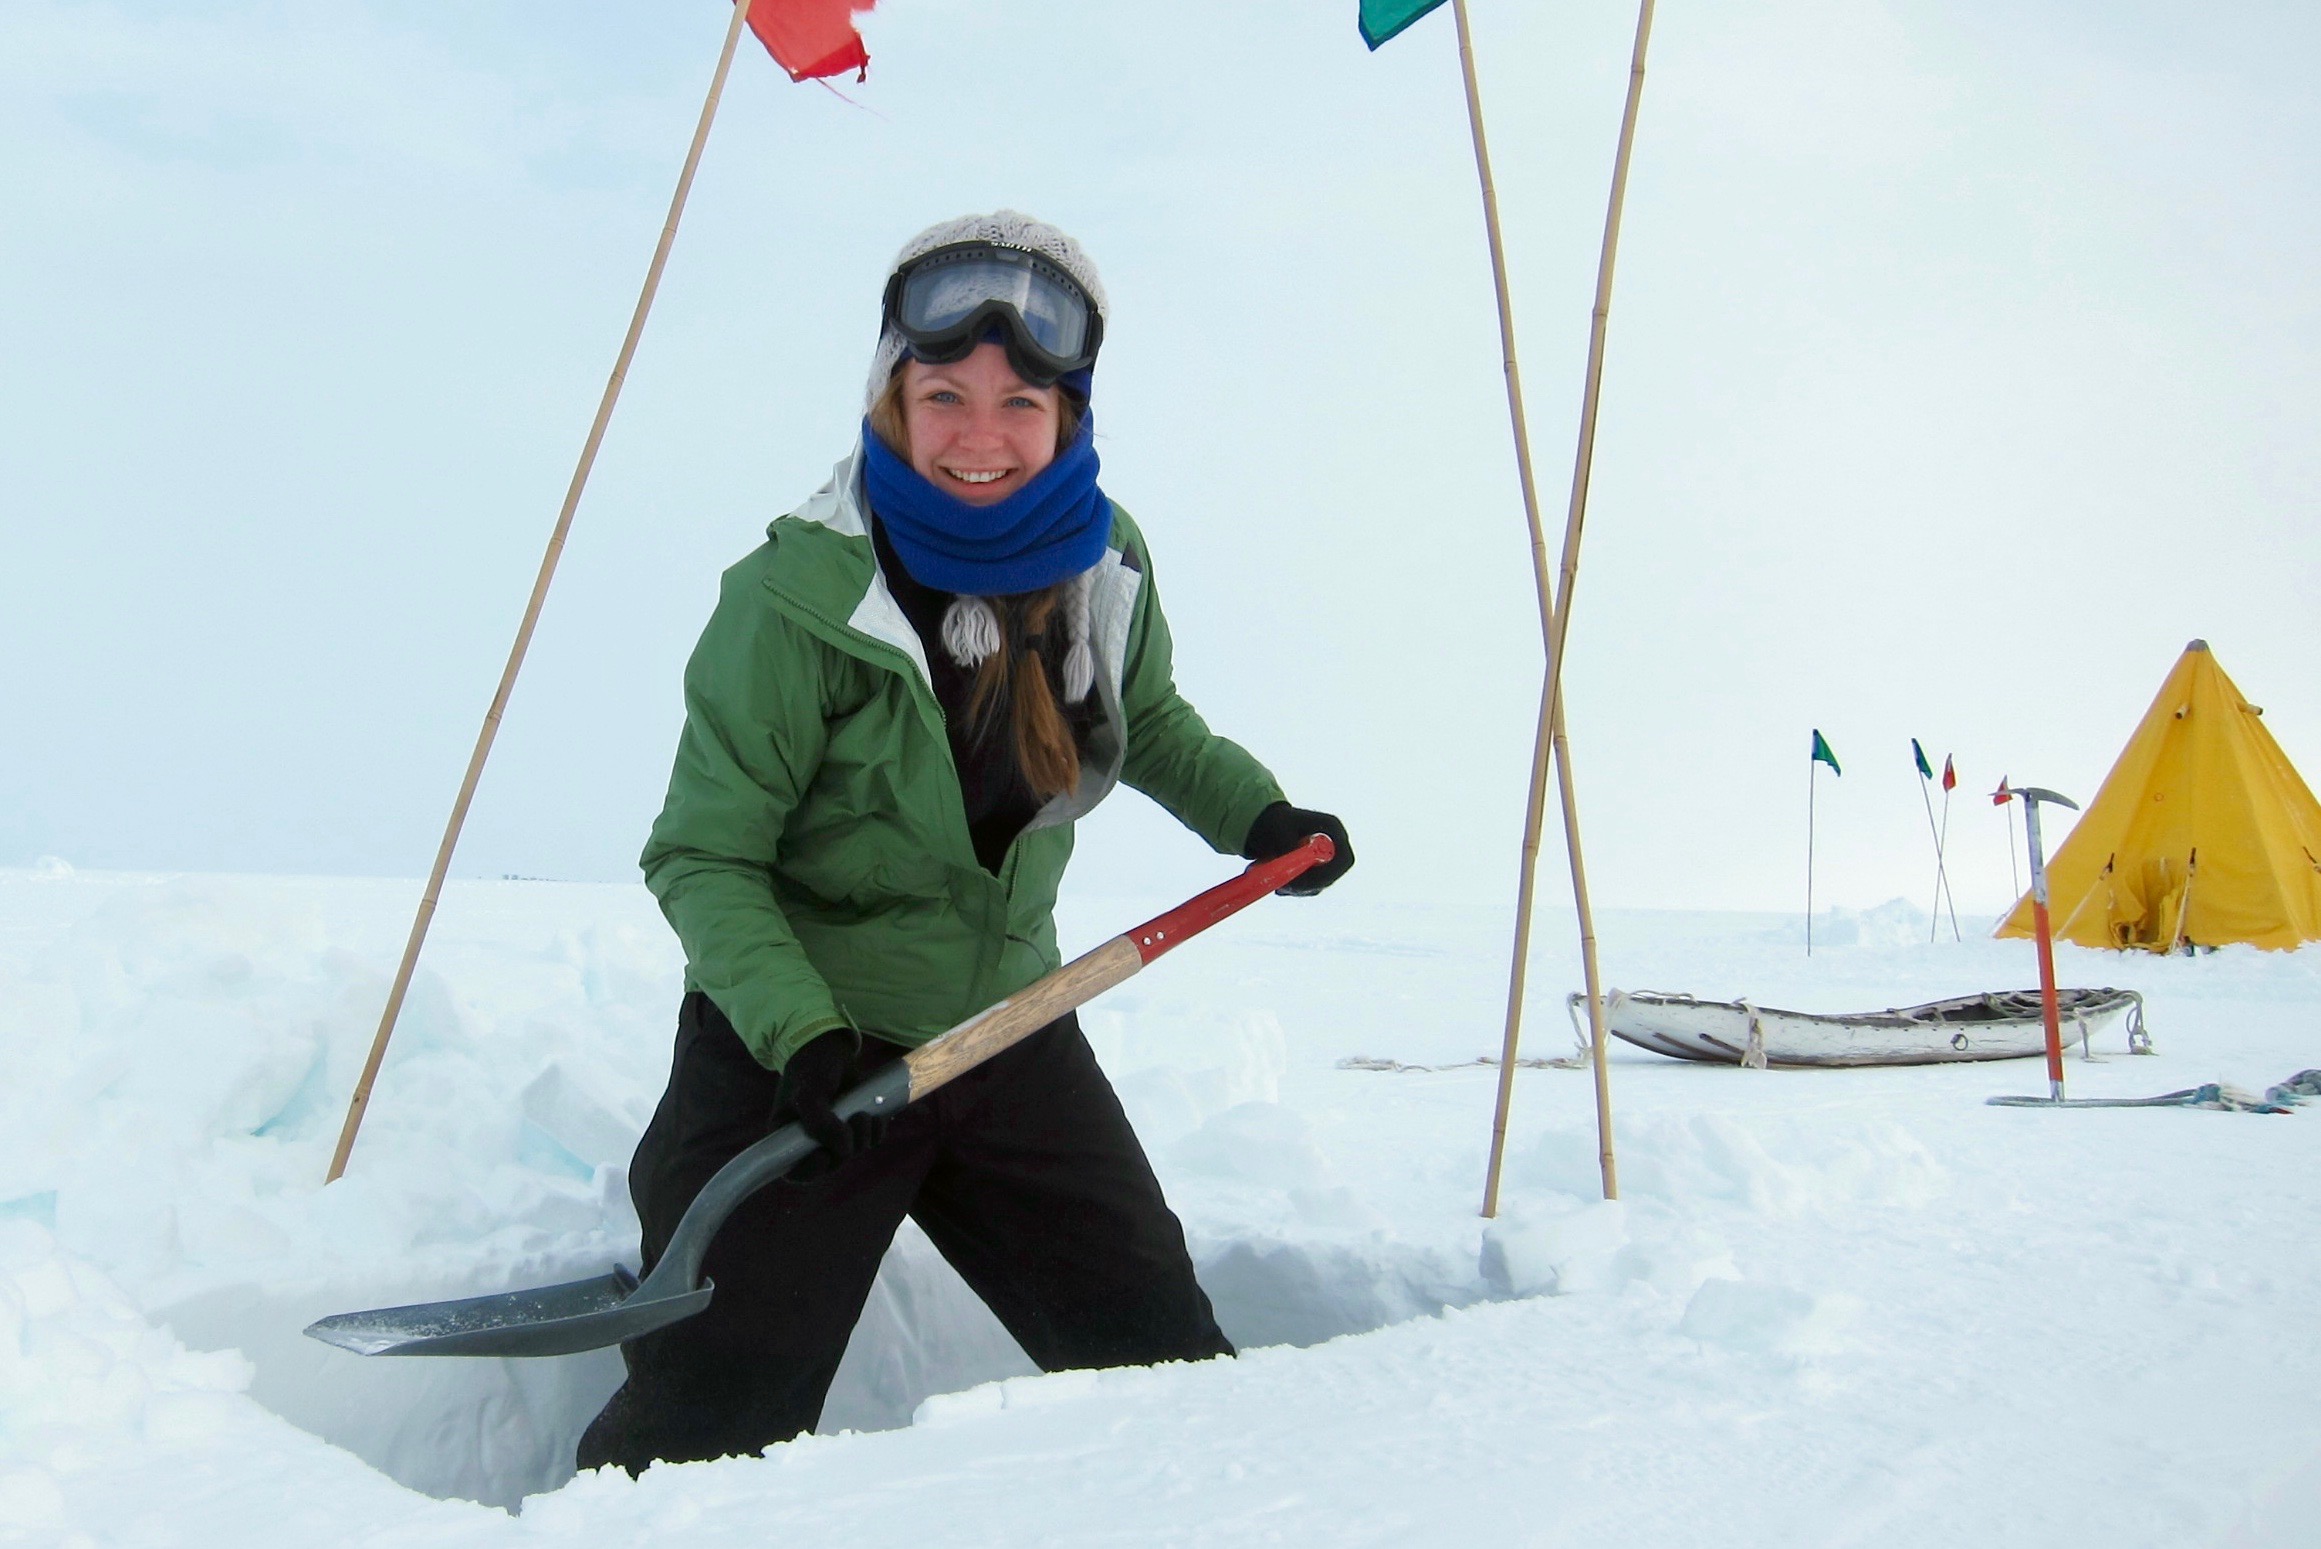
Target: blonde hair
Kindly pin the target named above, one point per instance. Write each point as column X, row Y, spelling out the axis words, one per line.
column 1012, row 678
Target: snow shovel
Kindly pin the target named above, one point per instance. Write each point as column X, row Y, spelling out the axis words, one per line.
column 611, row 1308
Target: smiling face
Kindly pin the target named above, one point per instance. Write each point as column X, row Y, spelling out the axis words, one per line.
column 976, row 428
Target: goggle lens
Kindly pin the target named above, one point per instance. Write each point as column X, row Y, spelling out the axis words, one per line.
column 937, row 298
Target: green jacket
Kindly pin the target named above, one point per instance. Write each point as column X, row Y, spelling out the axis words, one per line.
column 813, row 853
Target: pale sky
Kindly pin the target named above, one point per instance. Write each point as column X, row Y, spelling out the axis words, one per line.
column 1965, row 362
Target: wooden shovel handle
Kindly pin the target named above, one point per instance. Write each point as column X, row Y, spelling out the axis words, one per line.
column 1092, row 973
column 1020, row 1015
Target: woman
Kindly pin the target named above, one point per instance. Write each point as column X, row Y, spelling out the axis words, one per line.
column 902, row 703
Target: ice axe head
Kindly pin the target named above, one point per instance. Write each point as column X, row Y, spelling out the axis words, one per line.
column 2033, row 796
column 2030, row 795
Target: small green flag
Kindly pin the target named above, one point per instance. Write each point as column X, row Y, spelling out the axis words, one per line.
column 1383, row 20
column 1822, row 754
column 1925, row 770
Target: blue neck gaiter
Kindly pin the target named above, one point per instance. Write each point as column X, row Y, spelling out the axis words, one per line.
column 1054, row 527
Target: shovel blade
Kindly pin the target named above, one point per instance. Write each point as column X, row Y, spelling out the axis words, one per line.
column 547, row 1320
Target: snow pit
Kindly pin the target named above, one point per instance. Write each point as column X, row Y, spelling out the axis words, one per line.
column 202, row 1034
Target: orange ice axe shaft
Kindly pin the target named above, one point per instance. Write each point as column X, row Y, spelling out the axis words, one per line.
column 2033, row 796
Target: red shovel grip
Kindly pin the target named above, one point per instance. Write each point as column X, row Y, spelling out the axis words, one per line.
column 1196, row 915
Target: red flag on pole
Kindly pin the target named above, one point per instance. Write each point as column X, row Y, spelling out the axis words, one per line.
column 1949, row 775
column 812, row 38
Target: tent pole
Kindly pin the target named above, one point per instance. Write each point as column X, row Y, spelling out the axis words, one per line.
column 491, row 727
column 1555, row 602
column 2184, row 903
column 2063, row 931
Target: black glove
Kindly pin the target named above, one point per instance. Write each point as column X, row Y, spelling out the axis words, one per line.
column 1281, row 828
column 811, row 1083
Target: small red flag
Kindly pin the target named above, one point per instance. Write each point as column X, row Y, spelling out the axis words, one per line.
column 2002, row 795
column 1949, row 774
column 812, row 38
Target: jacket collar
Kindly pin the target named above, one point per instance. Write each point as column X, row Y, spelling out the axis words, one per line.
column 833, row 576
column 839, row 581
column 868, row 608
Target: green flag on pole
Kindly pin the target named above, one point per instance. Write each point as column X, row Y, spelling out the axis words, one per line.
column 1822, row 754
column 1383, row 20
column 1925, row 770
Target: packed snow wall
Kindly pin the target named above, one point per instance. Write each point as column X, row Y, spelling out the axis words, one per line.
column 212, row 1028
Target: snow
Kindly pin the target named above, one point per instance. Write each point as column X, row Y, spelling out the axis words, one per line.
column 1830, row 1307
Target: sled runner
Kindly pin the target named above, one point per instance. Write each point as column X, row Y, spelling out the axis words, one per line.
column 2001, row 1025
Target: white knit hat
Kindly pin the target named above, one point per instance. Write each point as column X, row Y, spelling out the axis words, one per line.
column 1006, row 228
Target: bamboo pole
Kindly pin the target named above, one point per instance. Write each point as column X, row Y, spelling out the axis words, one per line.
column 1941, row 856
column 1934, row 916
column 491, row 726
column 1555, row 602
column 1812, row 769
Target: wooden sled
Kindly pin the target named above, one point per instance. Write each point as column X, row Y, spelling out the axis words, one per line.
column 2001, row 1025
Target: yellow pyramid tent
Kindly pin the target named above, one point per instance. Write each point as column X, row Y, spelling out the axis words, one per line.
column 2203, row 832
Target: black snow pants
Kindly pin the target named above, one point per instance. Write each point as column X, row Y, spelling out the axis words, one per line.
column 1024, row 1173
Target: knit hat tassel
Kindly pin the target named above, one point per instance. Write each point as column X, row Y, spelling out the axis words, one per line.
column 971, row 634
column 970, row 630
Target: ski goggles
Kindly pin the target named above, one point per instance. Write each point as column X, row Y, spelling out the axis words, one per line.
column 946, row 302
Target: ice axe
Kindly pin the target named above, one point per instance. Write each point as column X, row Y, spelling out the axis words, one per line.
column 2032, row 796
column 589, row 1314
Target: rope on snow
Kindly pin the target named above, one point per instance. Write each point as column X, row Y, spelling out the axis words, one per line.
column 2215, row 1095
column 1367, row 1062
